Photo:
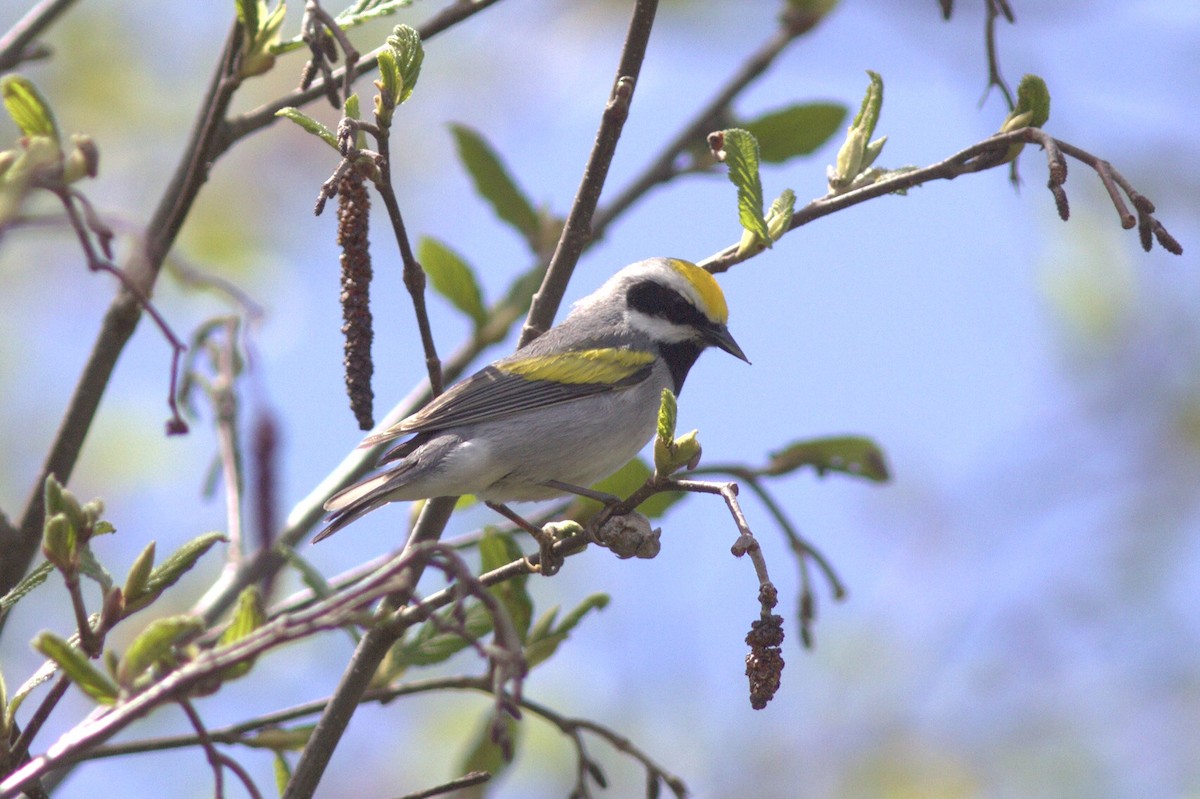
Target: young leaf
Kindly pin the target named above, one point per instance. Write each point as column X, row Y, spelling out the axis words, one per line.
column 487, row 755
column 544, row 638
column 622, row 483
column 27, row 107
column 739, row 150
column 779, row 217
column 153, row 644
column 59, row 542
column 495, row 550
column 309, row 124
column 453, row 278
column 795, row 130
column 283, row 773
column 138, row 578
column 31, row 581
column 77, row 667
column 853, row 455
column 170, row 570
column 435, row 642
column 858, row 151
column 494, row 183
column 247, row 618
column 405, row 45
column 93, row 569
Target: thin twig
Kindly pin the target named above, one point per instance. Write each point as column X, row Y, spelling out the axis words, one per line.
column 576, row 233
column 996, row 8
column 216, row 760
column 15, row 45
column 465, row 781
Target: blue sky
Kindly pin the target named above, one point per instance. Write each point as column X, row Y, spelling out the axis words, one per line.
column 1019, row 618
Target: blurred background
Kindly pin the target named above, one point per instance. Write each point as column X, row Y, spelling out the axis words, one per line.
column 1021, row 612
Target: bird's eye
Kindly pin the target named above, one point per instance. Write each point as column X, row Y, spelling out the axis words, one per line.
column 655, row 299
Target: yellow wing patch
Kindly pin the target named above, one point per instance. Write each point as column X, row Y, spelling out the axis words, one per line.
column 706, row 286
column 602, row 365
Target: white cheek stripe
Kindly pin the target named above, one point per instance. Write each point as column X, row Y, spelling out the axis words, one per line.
column 658, row 328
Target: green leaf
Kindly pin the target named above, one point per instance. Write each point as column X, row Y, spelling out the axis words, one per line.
column 545, row 638
column 795, row 130
column 291, row 739
column 93, row 569
column 622, row 483
column 739, row 150
column 31, row 581
column 435, row 643
column 153, row 644
column 28, row 108
column 247, row 15
column 406, row 49
column 853, row 455
column 309, row 124
column 858, row 151
column 59, row 542
column 488, row 756
column 495, row 550
column 170, row 570
column 247, row 617
column 138, row 579
column 1033, row 96
column 779, row 217
column 494, row 183
column 77, row 667
column 283, row 773
column 453, row 278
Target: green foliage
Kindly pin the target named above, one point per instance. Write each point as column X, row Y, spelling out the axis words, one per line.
column 247, row 617
column 853, row 455
column 399, row 68
column 437, row 640
column 309, row 124
column 453, row 278
column 738, row 149
column 28, row 109
column 137, row 582
column 622, row 483
column 670, row 453
column 779, row 217
column 494, row 183
column 260, row 35
column 77, row 667
column 495, row 550
column 858, row 152
column 31, row 581
column 60, row 543
column 168, row 573
column 795, row 130
column 487, row 755
column 544, row 637
column 155, row 644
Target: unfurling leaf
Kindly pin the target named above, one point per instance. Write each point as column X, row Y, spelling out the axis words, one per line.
column 27, row 108
column 309, row 124
column 170, row 570
column 247, row 617
column 399, row 68
column 858, row 151
column 31, row 581
column 453, row 278
column 795, row 130
column 779, row 217
column 77, row 667
column 544, row 637
column 494, row 183
column 154, row 644
column 853, row 455
column 138, row 579
column 738, row 149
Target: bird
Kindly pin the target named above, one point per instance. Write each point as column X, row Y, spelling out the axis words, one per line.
column 562, row 412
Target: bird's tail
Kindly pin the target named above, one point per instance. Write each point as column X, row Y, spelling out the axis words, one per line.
column 354, row 502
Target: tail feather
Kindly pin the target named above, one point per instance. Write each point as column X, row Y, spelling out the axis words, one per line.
column 355, row 501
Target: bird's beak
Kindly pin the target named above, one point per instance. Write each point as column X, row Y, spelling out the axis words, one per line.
column 718, row 336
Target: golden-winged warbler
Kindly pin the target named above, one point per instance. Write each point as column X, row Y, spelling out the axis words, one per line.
column 567, row 409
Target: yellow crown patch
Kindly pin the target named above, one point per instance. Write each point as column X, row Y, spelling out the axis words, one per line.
column 706, row 286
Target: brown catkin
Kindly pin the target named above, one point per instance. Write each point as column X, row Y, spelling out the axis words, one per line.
column 354, row 205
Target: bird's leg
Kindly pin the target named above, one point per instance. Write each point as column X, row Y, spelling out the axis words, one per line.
column 603, row 497
column 548, row 563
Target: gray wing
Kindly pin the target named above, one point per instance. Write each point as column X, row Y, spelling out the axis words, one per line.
column 492, row 394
